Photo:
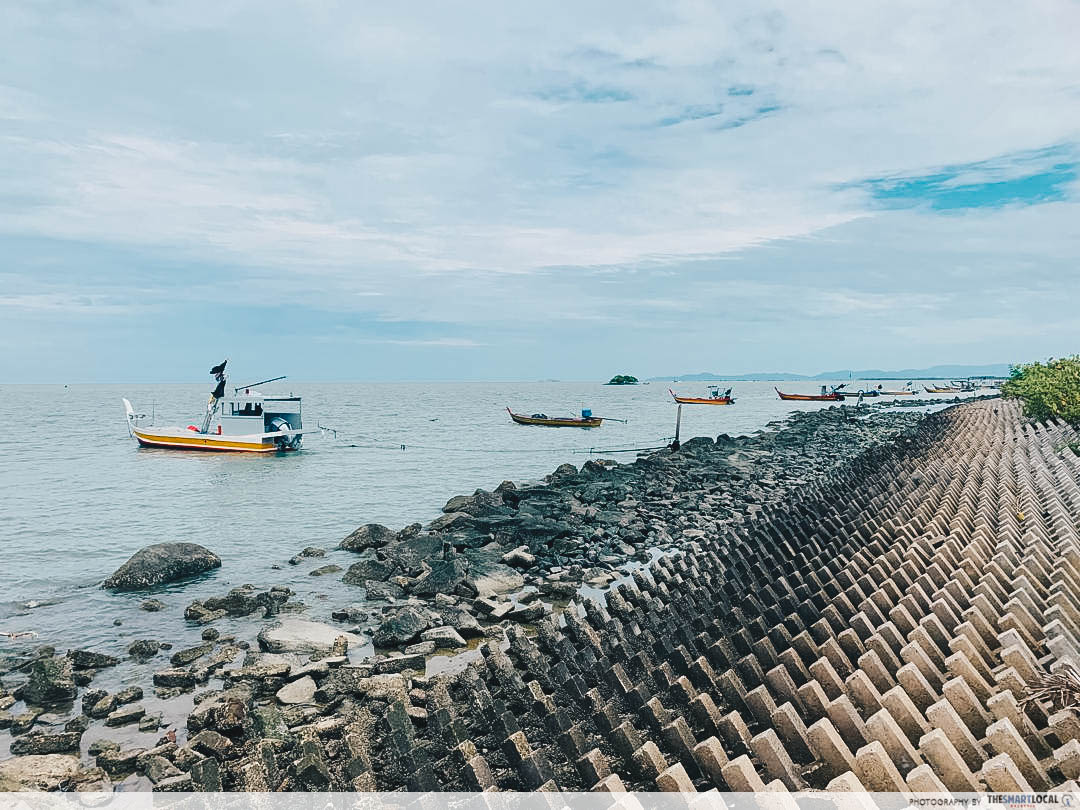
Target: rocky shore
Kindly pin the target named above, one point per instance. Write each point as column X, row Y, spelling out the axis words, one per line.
column 696, row 550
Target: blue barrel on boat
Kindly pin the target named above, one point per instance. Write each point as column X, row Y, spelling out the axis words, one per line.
column 586, row 413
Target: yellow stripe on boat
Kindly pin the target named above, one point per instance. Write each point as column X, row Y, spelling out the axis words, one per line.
column 198, row 441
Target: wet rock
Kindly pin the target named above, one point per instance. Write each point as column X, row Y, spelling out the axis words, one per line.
column 383, row 590
column 299, row 691
column 212, row 744
column 368, row 536
column 143, row 649
column 200, row 614
column 114, row 761
column 442, row 576
column 313, row 551
column 103, row 707
column 129, row 694
column 371, row 568
column 488, row 576
column 352, row 613
column 40, row 743
column 51, row 682
column 302, row 636
column 182, row 658
column 175, row 784
column 100, row 746
column 151, row 722
column 420, row 648
column 210, row 634
column 39, row 772
column 84, row 659
column 179, row 678
column 152, row 605
column 519, row 558
column 399, row 663
column 79, row 724
column 400, row 627
column 160, row 563
column 90, row 697
column 157, row 768
column 445, row 638
column 461, row 620
column 125, row 715
column 324, row 570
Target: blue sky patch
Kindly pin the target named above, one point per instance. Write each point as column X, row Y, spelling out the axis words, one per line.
column 1027, row 178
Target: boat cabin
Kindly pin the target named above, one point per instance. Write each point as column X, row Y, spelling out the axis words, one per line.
column 248, row 411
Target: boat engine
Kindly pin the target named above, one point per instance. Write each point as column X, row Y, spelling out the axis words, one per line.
column 284, row 442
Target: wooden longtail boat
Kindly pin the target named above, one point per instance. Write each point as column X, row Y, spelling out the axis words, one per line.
column 897, row 393
column 832, row 396
column 943, row 389
column 585, row 421
column 714, row 398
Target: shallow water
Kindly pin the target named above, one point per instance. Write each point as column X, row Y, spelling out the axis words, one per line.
column 77, row 497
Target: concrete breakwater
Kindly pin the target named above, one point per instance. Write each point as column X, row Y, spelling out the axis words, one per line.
column 879, row 626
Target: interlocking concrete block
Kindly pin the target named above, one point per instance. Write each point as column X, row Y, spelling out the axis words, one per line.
column 740, row 776
column 915, row 684
column 848, row 722
column 883, row 728
column 775, row 760
column 829, row 747
column 1067, row 759
column 876, row 769
column 792, row 730
column 943, row 716
column 967, row 706
column 947, row 763
column 675, row 780
column 922, row 779
column 1005, row 739
column 711, row 759
column 1002, row 776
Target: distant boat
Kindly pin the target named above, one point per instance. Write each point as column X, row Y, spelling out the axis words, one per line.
column 906, row 391
column 830, row 396
column 714, row 398
column 943, row 389
column 586, row 420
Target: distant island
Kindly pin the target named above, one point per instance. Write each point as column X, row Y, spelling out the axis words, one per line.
column 944, row 372
column 622, row 379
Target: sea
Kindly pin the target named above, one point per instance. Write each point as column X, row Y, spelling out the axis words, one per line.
column 78, row 497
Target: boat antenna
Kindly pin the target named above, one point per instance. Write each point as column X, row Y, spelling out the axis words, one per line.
column 260, row 382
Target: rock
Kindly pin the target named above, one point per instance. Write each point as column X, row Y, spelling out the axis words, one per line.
column 182, row 658
column 101, row 745
column 445, row 638
column 84, row 659
column 129, row 694
column 210, row 634
column 519, row 558
column 160, row 563
column 420, row 648
column 371, row 535
column 115, row 761
column 211, row 744
column 461, row 620
column 143, row 649
column 369, row 569
column 399, row 663
column 175, row 784
column 302, row 636
column 383, row 590
column 352, row 613
column 324, row 570
column 443, row 576
column 400, row 627
column 152, row 605
column 103, row 708
column 179, row 678
column 39, row 743
column 38, row 772
column 125, row 715
column 151, row 722
column 200, row 614
column 80, row 723
column 157, row 768
column 299, row 691
column 313, row 551
column 488, row 576
column 51, row 681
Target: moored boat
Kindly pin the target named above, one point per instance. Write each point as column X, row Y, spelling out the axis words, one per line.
column 943, row 389
column 249, row 421
column 587, row 420
column 714, row 398
column 824, row 396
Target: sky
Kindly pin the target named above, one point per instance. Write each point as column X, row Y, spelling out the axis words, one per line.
column 486, row 190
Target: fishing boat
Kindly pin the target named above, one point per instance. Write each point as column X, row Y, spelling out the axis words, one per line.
column 246, row 420
column 825, row 396
column 906, row 391
column 943, row 389
column 714, row 397
column 587, row 420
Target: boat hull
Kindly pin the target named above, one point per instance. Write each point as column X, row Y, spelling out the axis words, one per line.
column 809, row 397
column 897, row 393
column 205, row 442
column 942, row 390
column 521, row 419
column 702, row 400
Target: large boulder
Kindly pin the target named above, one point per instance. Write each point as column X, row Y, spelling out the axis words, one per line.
column 38, row 772
column 303, row 636
column 400, row 627
column 443, row 576
column 367, row 569
column 371, row 535
column 161, row 563
column 52, row 681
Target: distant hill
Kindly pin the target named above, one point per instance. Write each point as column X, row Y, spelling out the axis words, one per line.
column 946, row 372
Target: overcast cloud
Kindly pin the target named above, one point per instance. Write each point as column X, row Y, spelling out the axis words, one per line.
column 492, row 190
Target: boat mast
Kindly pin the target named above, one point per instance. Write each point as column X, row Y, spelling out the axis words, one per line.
column 218, row 372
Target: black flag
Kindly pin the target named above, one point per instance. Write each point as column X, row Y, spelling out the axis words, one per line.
column 219, row 392
column 218, row 370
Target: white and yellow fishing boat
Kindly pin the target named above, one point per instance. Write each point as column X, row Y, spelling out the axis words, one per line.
column 246, row 421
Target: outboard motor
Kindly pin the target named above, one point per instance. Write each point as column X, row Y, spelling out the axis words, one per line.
column 285, row 442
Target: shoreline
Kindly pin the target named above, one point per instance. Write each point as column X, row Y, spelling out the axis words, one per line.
column 743, row 485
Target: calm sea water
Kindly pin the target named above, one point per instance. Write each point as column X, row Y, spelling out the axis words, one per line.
column 77, row 497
